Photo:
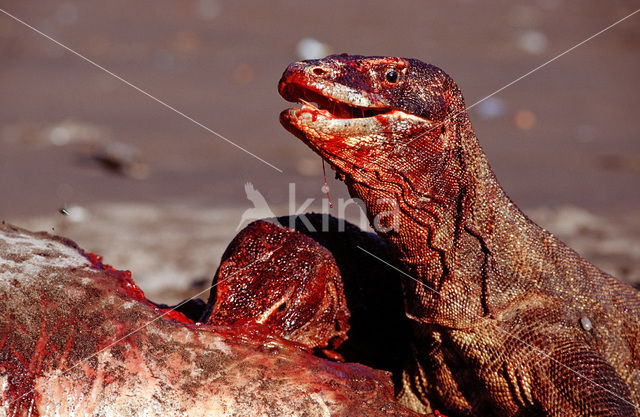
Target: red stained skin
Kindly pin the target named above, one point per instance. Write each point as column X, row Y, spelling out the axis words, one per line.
column 48, row 351
column 79, row 338
column 130, row 289
column 285, row 281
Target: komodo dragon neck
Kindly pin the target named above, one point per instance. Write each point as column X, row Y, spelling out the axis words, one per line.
column 470, row 246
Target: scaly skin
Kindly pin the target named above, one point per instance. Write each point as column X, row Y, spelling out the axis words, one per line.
column 297, row 295
column 501, row 308
column 307, row 293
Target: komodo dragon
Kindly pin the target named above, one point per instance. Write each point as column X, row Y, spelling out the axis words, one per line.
column 506, row 319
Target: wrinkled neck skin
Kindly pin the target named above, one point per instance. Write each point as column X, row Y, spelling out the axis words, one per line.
column 453, row 224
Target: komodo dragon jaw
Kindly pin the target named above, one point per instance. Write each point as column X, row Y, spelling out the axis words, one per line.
column 350, row 125
column 497, row 301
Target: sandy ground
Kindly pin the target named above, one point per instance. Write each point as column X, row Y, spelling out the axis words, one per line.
column 157, row 194
column 175, row 249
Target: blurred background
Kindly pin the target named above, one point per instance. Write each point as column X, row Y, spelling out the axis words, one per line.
column 86, row 156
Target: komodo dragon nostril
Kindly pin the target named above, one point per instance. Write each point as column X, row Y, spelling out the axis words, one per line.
column 319, row 71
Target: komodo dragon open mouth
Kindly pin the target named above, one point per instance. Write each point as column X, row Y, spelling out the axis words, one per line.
column 339, row 121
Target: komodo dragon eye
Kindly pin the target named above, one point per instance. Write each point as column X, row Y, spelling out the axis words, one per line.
column 392, row 76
